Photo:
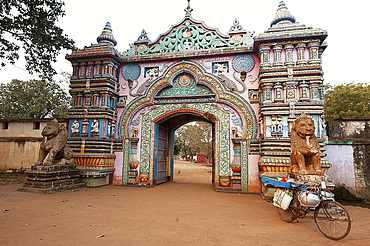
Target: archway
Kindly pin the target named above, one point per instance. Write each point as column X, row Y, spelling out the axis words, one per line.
column 164, row 159
column 186, row 89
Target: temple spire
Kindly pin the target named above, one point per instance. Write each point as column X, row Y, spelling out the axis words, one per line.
column 106, row 37
column 282, row 16
column 188, row 10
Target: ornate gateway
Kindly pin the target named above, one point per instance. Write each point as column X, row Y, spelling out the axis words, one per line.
column 126, row 106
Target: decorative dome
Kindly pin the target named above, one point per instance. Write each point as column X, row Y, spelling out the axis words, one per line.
column 283, row 15
column 106, row 37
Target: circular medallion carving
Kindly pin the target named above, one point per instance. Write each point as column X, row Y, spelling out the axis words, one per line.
column 142, row 47
column 184, row 80
column 243, row 63
column 131, row 71
column 237, row 39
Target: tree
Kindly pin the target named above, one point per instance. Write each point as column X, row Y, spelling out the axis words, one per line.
column 347, row 100
column 31, row 24
column 177, row 146
column 32, row 99
column 196, row 139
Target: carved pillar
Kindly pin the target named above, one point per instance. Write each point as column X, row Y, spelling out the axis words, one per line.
column 289, row 62
column 105, row 100
column 115, row 72
column 114, row 102
column 301, row 57
column 76, row 66
column 314, row 90
column 303, row 91
column 98, row 71
column 267, row 93
column 83, row 69
column 105, row 68
column 314, row 53
column 277, row 56
column 95, row 100
column 90, row 69
column 265, row 56
column 278, row 92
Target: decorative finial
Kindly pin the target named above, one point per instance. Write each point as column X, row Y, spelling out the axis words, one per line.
column 143, row 36
column 188, row 10
column 106, row 37
column 236, row 26
column 282, row 16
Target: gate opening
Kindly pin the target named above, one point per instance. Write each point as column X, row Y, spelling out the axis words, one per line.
column 173, row 153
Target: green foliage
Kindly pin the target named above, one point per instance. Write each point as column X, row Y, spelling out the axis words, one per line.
column 31, row 24
column 347, row 100
column 195, row 139
column 32, row 99
column 177, row 146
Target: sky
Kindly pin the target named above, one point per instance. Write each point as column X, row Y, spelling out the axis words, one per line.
column 344, row 60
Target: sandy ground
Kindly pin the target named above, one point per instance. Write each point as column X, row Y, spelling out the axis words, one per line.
column 174, row 213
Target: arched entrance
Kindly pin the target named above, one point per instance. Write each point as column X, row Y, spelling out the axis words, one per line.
column 185, row 90
column 163, row 168
column 154, row 134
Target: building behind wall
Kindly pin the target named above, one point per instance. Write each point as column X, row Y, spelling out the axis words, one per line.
column 250, row 88
column 348, row 149
column 20, row 141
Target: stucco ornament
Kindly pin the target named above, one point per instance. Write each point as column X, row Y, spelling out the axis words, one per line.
column 243, row 63
column 54, row 146
column 95, row 126
column 305, row 147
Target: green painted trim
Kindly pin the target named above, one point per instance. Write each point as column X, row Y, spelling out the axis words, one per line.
column 244, row 152
column 126, row 156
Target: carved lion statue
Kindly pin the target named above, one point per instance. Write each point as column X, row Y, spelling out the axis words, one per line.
column 305, row 147
column 54, row 146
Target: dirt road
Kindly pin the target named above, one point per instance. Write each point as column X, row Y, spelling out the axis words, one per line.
column 176, row 213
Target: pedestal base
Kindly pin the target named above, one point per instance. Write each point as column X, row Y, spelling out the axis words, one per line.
column 52, row 179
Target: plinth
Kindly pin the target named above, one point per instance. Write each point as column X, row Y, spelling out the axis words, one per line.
column 52, row 179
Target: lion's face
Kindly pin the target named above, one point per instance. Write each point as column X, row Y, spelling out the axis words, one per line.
column 50, row 130
column 305, row 127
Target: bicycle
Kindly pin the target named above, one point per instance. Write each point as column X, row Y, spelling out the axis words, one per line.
column 331, row 218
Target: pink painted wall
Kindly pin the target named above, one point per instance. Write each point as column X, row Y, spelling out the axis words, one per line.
column 254, row 180
column 117, row 175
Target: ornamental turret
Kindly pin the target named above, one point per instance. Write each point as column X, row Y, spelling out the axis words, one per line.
column 290, row 81
column 106, row 37
column 282, row 16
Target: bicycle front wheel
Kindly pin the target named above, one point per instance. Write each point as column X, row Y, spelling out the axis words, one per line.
column 332, row 220
column 286, row 215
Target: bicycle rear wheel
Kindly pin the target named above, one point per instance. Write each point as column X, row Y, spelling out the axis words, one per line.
column 332, row 220
column 286, row 215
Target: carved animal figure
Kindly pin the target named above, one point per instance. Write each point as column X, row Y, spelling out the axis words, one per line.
column 152, row 73
column 220, row 68
column 230, row 85
column 142, row 88
column 54, row 145
column 253, row 94
column 305, row 147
